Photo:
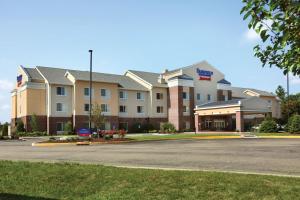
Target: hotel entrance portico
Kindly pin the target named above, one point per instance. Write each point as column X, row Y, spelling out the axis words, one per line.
column 230, row 115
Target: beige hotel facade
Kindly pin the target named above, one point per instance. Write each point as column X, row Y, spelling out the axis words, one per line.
column 196, row 97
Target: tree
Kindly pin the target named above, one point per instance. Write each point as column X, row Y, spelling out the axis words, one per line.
column 290, row 106
column 294, row 124
column 20, row 126
column 278, row 24
column 280, row 92
column 34, row 123
column 68, row 128
column 97, row 117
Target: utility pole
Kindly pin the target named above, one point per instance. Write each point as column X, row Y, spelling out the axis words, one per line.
column 288, row 93
column 90, row 107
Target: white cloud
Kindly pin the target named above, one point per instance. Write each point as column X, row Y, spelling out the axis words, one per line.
column 294, row 80
column 251, row 35
column 6, row 85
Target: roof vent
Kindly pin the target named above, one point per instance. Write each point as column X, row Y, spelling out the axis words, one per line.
column 161, row 79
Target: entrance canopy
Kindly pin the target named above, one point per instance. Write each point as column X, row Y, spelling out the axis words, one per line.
column 219, row 115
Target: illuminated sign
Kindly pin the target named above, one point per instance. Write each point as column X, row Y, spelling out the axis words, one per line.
column 204, row 75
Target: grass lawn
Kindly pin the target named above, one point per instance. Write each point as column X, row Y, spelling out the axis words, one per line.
column 276, row 134
column 24, row 180
column 175, row 136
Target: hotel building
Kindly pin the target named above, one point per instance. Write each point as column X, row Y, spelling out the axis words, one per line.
column 196, row 97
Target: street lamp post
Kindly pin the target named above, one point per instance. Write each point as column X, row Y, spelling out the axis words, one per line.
column 288, row 93
column 91, row 71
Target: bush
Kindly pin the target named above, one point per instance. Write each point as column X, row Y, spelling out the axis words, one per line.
column 136, row 128
column 31, row 134
column 168, row 128
column 122, row 133
column 69, row 128
column 268, row 126
column 294, row 124
column 5, row 129
column 34, row 123
column 146, row 127
column 20, row 126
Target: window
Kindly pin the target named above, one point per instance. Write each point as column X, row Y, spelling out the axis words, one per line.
column 86, row 107
column 185, row 109
column 60, row 126
column 159, row 109
column 103, row 93
column 208, row 97
column 104, row 108
column 86, row 92
column 59, row 107
column 185, row 96
column 198, row 96
column 123, row 95
column 187, row 125
column 139, row 96
column 60, row 91
column 122, row 109
column 140, row 109
column 159, row 95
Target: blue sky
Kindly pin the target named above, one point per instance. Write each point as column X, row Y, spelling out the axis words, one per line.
column 142, row 35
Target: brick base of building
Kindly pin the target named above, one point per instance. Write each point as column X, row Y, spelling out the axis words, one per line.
column 41, row 121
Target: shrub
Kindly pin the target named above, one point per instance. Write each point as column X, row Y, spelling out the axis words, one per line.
column 34, row 123
column 268, row 126
column 294, row 124
column 20, row 126
column 168, row 128
column 31, row 134
column 69, row 128
column 5, row 129
column 146, row 127
column 122, row 133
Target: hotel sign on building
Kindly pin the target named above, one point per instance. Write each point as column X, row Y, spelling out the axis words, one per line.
column 193, row 98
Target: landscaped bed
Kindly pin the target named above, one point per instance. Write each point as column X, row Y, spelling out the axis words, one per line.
column 24, row 180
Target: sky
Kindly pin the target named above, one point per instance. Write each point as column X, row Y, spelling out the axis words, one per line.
column 126, row 34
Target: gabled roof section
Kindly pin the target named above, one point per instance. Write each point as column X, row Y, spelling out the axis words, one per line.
column 149, row 77
column 54, row 75
column 240, row 92
column 220, row 103
column 123, row 81
column 204, row 62
column 33, row 73
column 224, row 81
column 183, row 77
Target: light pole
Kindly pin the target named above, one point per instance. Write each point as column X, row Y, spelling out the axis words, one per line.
column 288, row 93
column 91, row 71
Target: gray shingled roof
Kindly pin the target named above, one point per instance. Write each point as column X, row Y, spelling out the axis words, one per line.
column 150, row 77
column 224, row 81
column 220, row 103
column 183, row 76
column 54, row 75
column 239, row 92
column 33, row 73
column 124, row 81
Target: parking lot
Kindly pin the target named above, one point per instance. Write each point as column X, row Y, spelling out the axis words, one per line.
column 266, row 156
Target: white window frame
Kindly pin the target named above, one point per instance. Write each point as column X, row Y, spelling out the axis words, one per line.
column 142, row 109
column 161, row 109
column 125, row 95
column 62, row 107
column 107, row 108
column 62, row 89
column 84, row 107
column 125, row 108
column 62, row 126
column 142, row 96
column 187, row 96
column 107, row 93
column 198, row 95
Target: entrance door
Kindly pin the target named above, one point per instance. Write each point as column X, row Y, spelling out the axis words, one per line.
column 208, row 124
column 219, row 124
